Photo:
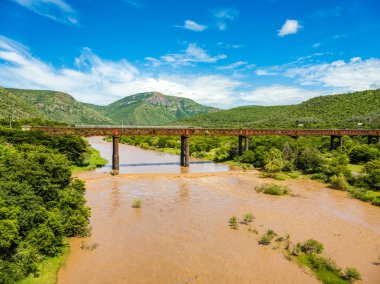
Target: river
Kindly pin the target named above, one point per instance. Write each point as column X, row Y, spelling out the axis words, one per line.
column 181, row 233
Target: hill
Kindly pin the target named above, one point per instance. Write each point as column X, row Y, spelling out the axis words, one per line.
column 151, row 108
column 60, row 107
column 333, row 111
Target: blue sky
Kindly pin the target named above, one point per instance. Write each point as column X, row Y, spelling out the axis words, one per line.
column 222, row 53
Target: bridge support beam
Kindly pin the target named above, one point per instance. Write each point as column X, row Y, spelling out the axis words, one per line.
column 372, row 138
column 115, row 154
column 185, row 151
column 246, row 144
column 332, row 142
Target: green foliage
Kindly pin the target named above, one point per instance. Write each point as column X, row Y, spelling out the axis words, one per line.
column 337, row 165
column 233, row 223
column 361, row 154
column 312, row 246
column 334, row 111
column 274, row 161
column 366, row 195
column 40, row 205
column 267, row 238
column 339, row 182
column 136, row 203
column 309, row 160
column 351, row 274
column 273, row 189
column 372, row 174
column 248, row 217
column 248, row 157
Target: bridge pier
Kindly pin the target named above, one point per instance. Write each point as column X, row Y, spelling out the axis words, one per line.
column 115, row 153
column 332, row 142
column 371, row 138
column 246, row 144
column 185, row 151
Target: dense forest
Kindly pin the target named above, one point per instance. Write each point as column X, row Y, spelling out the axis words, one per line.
column 355, row 110
column 354, row 168
column 40, row 203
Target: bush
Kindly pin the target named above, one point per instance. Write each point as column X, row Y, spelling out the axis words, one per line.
column 267, row 238
column 337, row 165
column 248, row 157
column 274, row 161
column 312, row 246
column 233, row 223
column 351, row 274
column 136, row 203
column 309, row 161
column 248, row 218
column 339, row 182
column 372, row 174
column 361, row 154
column 273, row 189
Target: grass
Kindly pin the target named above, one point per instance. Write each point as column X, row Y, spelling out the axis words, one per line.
column 92, row 160
column 233, row 223
column 48, row 269
column 273, row 189
column 136, row 203
column 363, row 194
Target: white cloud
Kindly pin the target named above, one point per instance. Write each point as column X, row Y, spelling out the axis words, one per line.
column 278, row 95
column 355, row 75
column 265, row 72
column 224, row 15
column 101, row 81
column 192, row 54
column 228, row 45
column 232, row 65
column 57, row 10
column 193, row 26
column 289, row 27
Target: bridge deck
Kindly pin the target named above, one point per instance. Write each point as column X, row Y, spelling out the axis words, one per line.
column 165, row 131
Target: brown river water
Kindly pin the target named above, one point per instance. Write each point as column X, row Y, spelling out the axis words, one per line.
column 181, row 233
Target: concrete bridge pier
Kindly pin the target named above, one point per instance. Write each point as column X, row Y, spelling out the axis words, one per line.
column 246, row 144
column 115, row 153
column 332, row 142
column 185, row 151
column 372, row 138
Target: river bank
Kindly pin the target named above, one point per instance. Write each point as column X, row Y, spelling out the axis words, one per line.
column 181, row 233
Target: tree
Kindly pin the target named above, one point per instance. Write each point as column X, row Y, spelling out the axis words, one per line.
column 372, row 174
column 274, row 161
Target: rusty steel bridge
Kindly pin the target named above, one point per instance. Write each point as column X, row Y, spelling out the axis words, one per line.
column 186, row 132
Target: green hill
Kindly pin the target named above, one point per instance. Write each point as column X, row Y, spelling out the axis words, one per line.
column 60, row 107
column 334, row 111
column 151, row 108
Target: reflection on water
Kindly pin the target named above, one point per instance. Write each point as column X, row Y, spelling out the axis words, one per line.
column 137, row 160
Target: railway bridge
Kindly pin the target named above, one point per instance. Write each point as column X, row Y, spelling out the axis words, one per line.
column 336, row 135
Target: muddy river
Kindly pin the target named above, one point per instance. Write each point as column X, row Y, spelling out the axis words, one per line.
column 181, row 233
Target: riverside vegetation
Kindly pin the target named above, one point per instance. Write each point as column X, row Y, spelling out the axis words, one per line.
column 354, row 168
column 40, row 203
column 307, row 254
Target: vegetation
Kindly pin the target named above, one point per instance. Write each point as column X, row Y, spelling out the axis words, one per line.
column 233, row 223
column 140, row 109
column 136, row 203
column 40, row 204
column 326, row 270
column 92, row 160
column 247, row 218
column 267, row 238
column 355, row 110
column 273, row 189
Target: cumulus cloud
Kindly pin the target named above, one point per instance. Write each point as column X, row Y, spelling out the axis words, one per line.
column 193, row 26
column 289, row 27
column 279, row 95
column 355, row 75
column 57, row 10
column 101, row 81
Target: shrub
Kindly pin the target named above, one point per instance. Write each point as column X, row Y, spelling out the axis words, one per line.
column 136, row 203
column 309, row 161
column 312, row 246
column 233, row 223
column 274, row 161
column 372, row 174
column 351, row 274
column 339, row 182
column 248, row 157
column 267, row 238
column 361, row 154
column 337, row 165
column 248, row 218
column 273, row 189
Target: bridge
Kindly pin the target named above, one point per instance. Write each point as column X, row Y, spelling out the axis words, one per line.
column 336, row 135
